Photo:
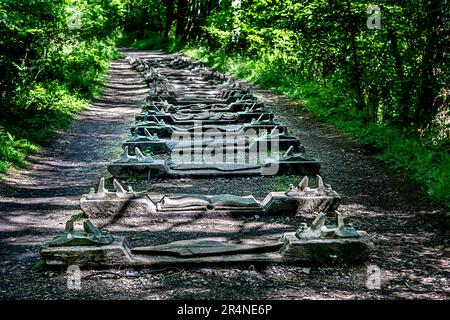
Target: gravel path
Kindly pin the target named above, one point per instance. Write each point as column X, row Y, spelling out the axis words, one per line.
column 410, row 233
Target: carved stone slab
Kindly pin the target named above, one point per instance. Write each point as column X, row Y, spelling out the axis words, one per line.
column 219, row 119
column 145, row 168
column 198, row 108
column 117, row 207
column 300, row 200
column 318, row 243
column 211, row 204
column 205, row 247
column 275, row 140
column 116, row 253
column 120, row 203
column 194, row 100
column 163, row 146
column 303, row 199
column 201, row 251
column 278, row 202
column 163, row 130
column 350, row 250
column 160, row 169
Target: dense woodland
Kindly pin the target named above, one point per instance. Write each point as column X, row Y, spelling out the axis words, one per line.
column 381, row 73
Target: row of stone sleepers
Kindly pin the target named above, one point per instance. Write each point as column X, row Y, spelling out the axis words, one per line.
column 152, row 144
column 228, row 134
column 167, row 118
column 317, row 243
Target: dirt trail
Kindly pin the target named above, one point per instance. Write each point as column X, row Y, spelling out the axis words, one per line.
column 412, row 242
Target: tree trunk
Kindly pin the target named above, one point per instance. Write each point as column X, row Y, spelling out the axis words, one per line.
column 181, row 18
column 355, row 68
column 405, row 96
column 432, row 60
column 169, row 19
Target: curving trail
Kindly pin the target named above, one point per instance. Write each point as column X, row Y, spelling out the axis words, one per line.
column 412, row 241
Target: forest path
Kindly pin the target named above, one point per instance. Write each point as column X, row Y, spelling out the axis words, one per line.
column 411, row 245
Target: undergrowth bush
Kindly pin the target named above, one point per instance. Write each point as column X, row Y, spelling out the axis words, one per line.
column 13, row 152
column 150, row 41
column 44, row 108
column 50, row 71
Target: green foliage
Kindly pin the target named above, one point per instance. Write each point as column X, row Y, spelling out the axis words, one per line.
column 38, row 266
column 82, row 67
column 144, row 19
column 282, row 183
column 397, row 74
column 45, row 107
column 151, row 41
column 421, row 159
column 387, row 87
column 52, row 64
column 13, row 151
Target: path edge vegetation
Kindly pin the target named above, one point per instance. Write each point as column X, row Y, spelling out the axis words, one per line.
column 421, row 162
column 385, row 84
column 53, row 62
column 413, row 157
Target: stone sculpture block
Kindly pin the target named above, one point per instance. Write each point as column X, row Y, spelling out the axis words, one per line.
column 214, row 118
column 146, row 167
column 303, row 199
column 114, row 254
column 317, row 244
column 121, row 203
